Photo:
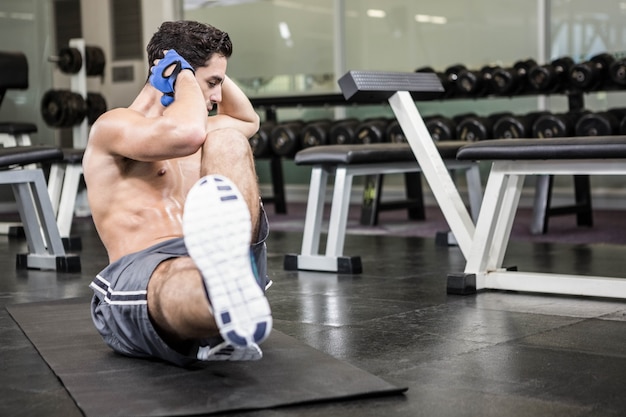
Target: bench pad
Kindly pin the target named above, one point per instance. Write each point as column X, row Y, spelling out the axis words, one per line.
column 369, row 154
column 591, row 147
column 16, row 128
column 73, row 155
column 24, row 155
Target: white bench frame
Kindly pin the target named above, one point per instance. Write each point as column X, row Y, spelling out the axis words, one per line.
column 310, row 257
column 484, row 245
column 63, row 184
column 44, row 242
column 493, row 230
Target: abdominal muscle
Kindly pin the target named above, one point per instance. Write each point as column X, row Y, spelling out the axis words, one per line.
column 143, row 207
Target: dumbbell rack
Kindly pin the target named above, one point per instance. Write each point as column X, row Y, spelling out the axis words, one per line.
column 269, row 105
column 371, row 196
column 414, row 202
column 64, row 178
column 14, row 133
column 78, row 84
column 582, row 208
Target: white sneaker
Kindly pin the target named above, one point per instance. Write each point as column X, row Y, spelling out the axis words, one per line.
column 227, row 352
column 217, row 229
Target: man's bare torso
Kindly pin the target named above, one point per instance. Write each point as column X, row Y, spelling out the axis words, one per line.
column 137, row 204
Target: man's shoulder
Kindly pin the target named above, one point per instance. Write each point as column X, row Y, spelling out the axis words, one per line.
column 116, row 115
column 111, row 125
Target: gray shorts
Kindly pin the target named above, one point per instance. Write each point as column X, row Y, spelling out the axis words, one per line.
column 119, row 306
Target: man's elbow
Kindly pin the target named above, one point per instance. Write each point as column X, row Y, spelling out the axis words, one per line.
column 190, row 138
column 253, row 126
column 196, row 138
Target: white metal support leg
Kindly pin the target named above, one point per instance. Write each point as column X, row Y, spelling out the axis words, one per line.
column 484, row 267
column 314, row 212
column 333, row 260
column 63, row 183
column 339, row 212
column 512, row 191
column 474, row 190
column 55, row 184
column 42, row 234
column 67, row 202
column 494, row 222
column 434, row 169
column 310, row 257
column 540, row 204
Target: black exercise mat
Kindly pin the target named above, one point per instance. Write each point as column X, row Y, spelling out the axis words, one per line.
column 106, row 384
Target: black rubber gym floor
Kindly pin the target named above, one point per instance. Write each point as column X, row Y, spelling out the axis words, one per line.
column 492, row 354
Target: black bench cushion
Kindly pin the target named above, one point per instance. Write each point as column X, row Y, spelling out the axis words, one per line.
column 24, row 155
column 13, row 70
column 591, row 147
column 14, row 128
column 369, row 154
column 73, row 155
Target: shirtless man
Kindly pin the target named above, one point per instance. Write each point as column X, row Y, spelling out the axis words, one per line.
column 175, row 200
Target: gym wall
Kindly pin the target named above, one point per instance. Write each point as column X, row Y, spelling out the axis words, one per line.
column 303, row 46
column 29, row 26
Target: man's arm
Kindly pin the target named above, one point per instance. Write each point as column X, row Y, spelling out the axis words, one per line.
column 235, row 111
column 179, row 131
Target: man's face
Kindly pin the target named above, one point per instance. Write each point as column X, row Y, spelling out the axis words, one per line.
column 210, row 78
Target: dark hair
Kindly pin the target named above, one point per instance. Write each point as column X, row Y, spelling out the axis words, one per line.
column 194, row 41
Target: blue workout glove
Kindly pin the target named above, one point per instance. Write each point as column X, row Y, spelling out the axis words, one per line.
column 166, row 84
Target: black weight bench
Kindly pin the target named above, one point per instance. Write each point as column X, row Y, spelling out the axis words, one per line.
column 483, row 244
column 16, row 133
column 346, row 162
column 512, row 160
column 400, row 90
column 45, row 247
column 14, row 75
column 63, row 184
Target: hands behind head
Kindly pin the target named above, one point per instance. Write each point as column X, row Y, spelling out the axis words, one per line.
column 171, row 64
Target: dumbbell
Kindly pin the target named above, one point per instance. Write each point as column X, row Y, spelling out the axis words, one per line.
column 95, row 60
column 70, row 61
column 557, row 125
column 552, row 77
column 475, row 83
column 457, row 119
column 593, row 74
column 451, row 75
column 315, row 133
column 63, row 108
column 394, row 132
column 342, row 132
column 475, row 128
column 96, row 106
column 605, row 123
column 617, row 72
column 285, row 138
column 260, row 141
column 371, row 131
column 516, row 126
column 441, row 127
column 513, row 80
